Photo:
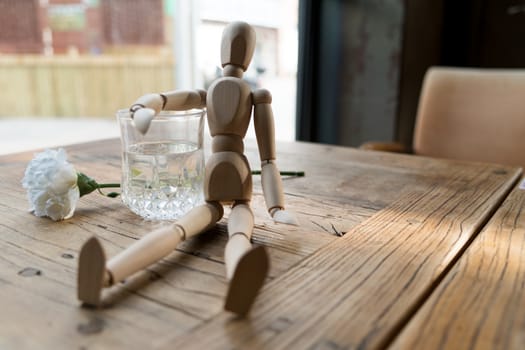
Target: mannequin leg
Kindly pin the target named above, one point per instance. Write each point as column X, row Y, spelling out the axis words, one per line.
column 93, row 273
column 246, row 267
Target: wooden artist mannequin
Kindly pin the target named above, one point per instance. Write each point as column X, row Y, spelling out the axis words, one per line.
column 229, row 103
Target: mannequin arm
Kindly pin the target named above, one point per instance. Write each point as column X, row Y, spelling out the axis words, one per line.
column 148, row 106
column 270, row 177
column 184, row 99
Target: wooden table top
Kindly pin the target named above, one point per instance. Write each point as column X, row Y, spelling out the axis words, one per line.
column 392, row 251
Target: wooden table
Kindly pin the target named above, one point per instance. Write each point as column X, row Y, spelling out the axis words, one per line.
column 388, row 254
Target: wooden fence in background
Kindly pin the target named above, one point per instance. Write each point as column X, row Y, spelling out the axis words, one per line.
column 79, row 86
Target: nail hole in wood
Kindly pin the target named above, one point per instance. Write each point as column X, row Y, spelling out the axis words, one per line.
column 30, row 271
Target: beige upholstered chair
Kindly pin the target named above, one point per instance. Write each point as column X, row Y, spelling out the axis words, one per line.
column 470, row 114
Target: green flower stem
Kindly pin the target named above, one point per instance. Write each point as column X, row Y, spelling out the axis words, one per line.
column 282, row 173
column 110, row 194
column 86, row 185
column 110, row 185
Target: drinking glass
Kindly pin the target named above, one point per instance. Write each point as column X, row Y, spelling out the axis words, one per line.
column 163, row 170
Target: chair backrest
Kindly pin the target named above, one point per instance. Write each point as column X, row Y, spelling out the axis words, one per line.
column 472, row 114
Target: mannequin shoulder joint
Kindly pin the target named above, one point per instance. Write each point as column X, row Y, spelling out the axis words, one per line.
column 261, row 96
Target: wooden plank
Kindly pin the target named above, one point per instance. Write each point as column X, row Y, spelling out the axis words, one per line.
column 39, row 309
column 357, row 291
column 79, row 86
column 480, row 303
column 16, row 87
column 43, row 85
column 178, row 293
column 342, row 188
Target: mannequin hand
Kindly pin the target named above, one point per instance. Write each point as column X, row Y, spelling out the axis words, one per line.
column 142, row 119
column 285, row 217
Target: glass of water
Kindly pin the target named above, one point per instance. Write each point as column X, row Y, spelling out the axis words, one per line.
column 163, row 170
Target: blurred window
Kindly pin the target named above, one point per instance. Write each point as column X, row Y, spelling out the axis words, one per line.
column 126, row 22
column 20, row 30
column 73, row 59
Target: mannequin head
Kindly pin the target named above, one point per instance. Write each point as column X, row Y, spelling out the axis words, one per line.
column 237, row 47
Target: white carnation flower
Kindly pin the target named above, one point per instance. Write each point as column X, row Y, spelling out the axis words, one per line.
column 51, row 184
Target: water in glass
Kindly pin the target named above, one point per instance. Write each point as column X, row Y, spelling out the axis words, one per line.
column 162, row 180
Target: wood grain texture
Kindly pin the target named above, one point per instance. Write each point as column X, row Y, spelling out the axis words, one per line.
column 65, row 86
column 367, row 196
column 358, row 291
column 481, row 302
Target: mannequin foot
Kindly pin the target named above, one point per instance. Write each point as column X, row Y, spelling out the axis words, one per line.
column 91, row 272
column 247, row 279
